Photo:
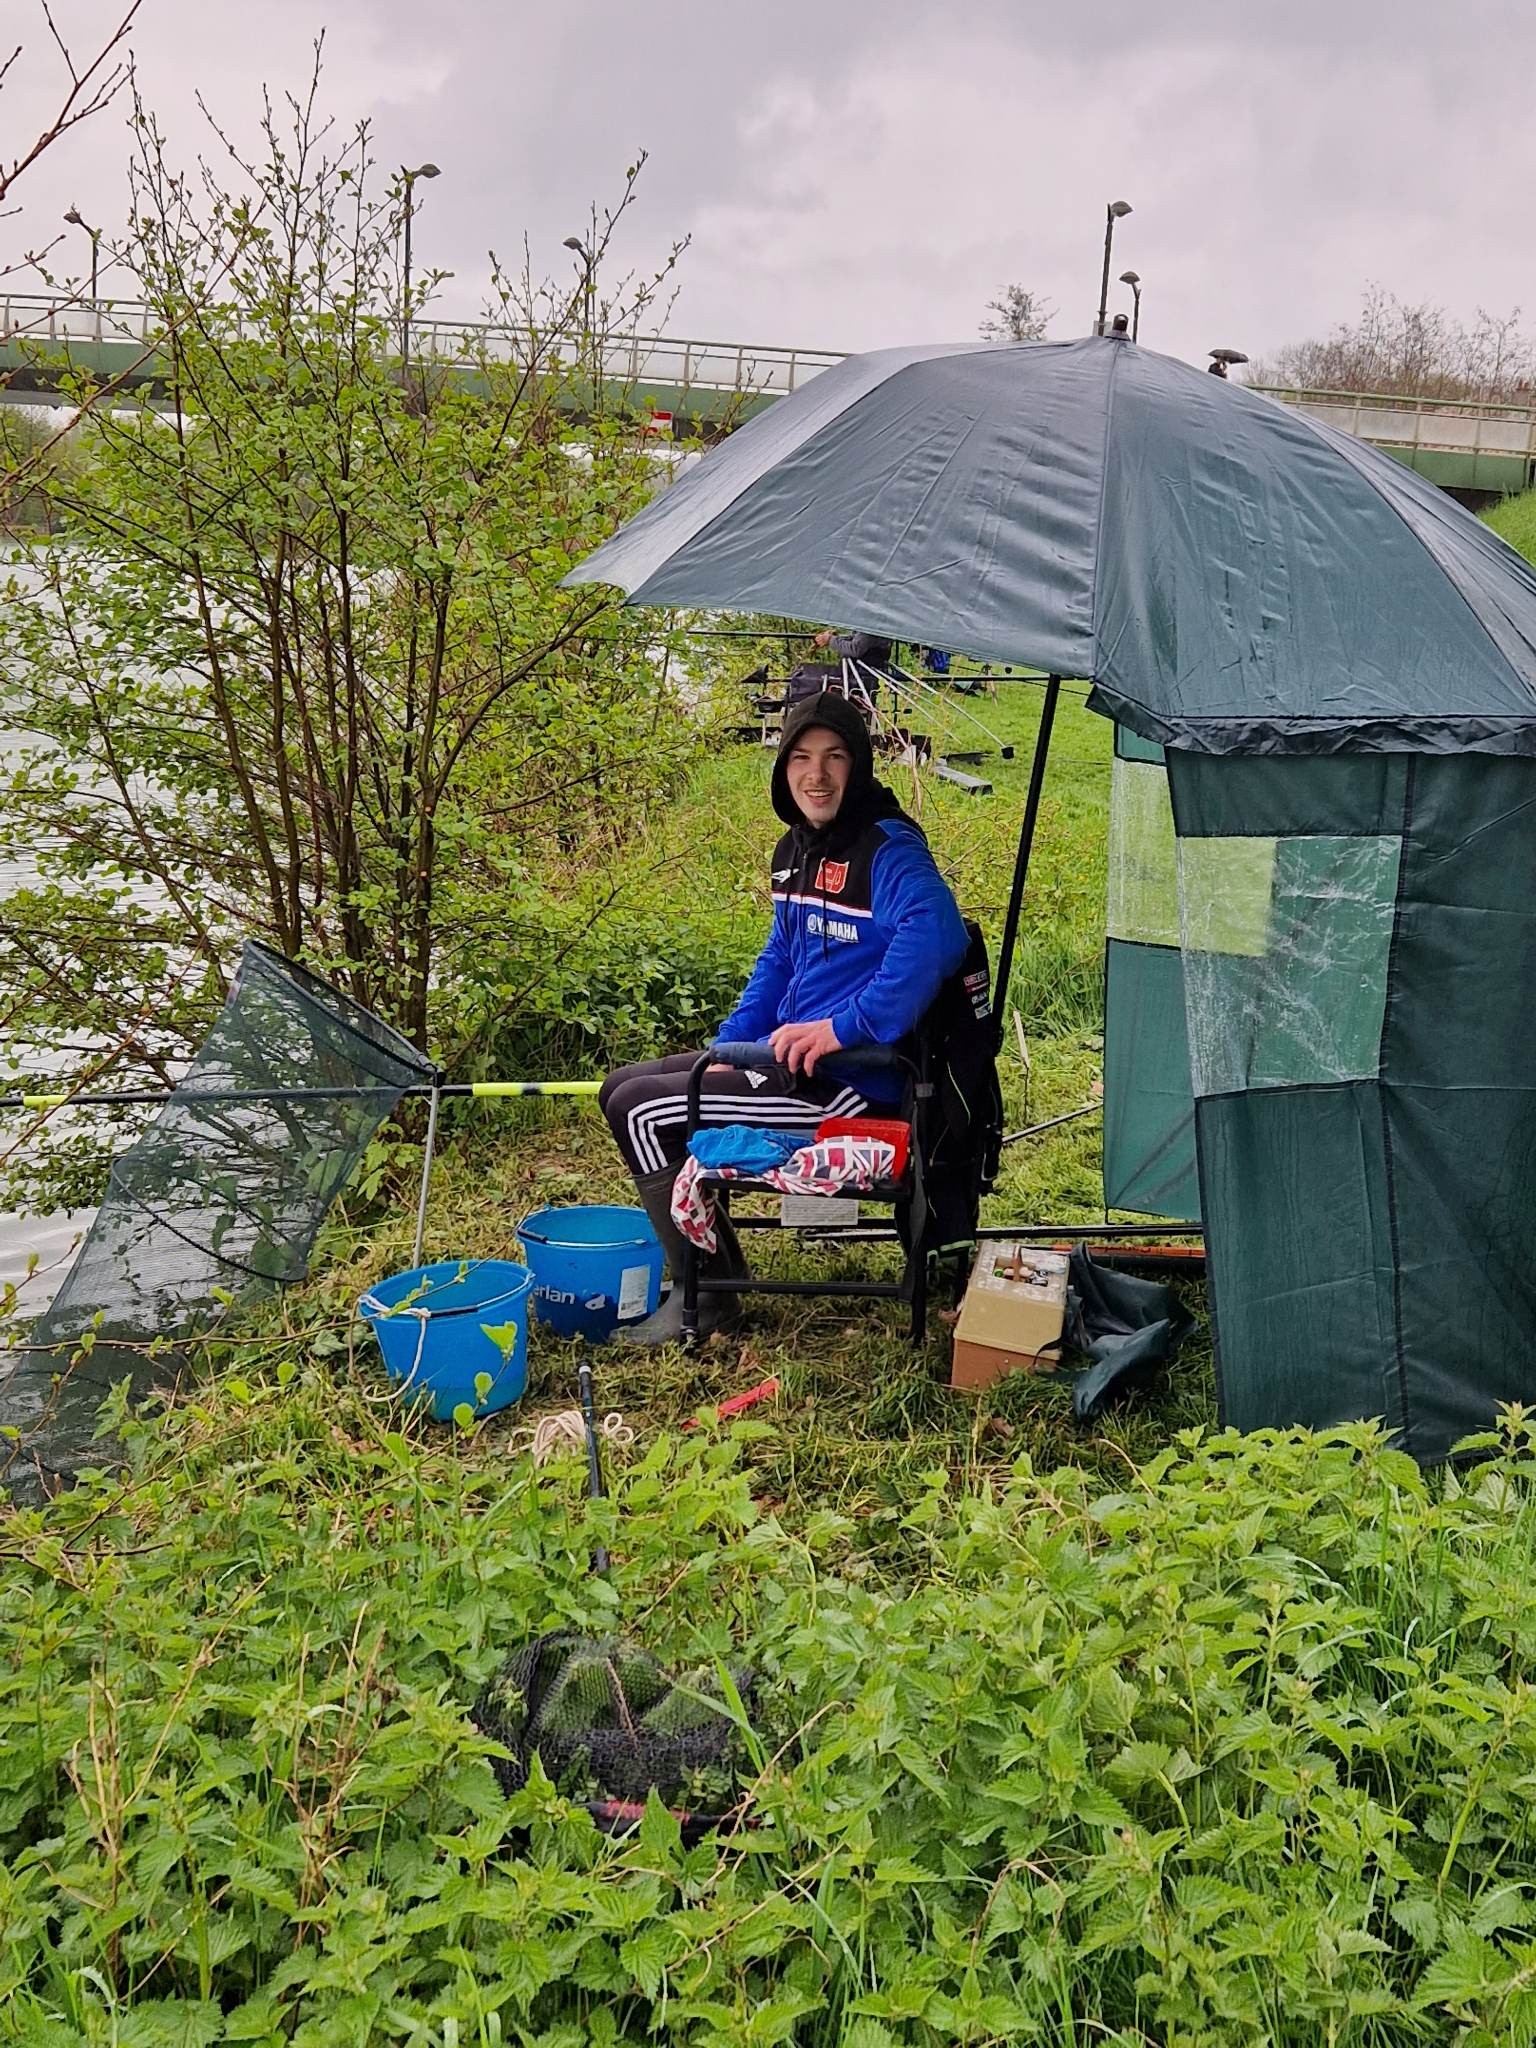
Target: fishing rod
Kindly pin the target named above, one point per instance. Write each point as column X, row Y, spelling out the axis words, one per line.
column 122, row 1098
column 925, row 695
column 435, row 1090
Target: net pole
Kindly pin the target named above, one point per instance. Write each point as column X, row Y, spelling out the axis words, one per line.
column 595, row 1488
column 1026, row 846
column 426, row 1176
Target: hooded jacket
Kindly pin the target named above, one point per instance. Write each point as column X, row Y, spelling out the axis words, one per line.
column 865, row 930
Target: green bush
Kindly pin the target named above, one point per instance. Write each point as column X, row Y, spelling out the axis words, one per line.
column 578, row 991
column 1241, row 1755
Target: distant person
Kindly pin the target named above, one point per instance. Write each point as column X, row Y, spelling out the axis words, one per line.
column 868, row 649
column 1217, row 367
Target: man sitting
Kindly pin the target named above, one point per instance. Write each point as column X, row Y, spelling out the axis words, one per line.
column 865, row 932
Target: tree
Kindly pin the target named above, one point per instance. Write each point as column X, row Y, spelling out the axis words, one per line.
column 1018, row 315
column 303, row 669
column 1411, row 351
column 87, row 88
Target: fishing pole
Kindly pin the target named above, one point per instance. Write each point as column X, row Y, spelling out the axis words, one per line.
column 122, row 1098
column 926, row 695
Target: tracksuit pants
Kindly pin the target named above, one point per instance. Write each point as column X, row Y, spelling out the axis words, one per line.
column 647, row 1105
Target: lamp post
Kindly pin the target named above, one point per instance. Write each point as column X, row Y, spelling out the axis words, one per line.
column 410, row 177
column 1131, row 278
column 588, row 260
column 77, row 220
column 1117, row 209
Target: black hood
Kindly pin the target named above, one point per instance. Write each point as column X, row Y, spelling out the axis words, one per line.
column 864, row 801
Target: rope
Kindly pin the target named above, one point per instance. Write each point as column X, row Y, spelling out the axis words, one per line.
column 565, row 1435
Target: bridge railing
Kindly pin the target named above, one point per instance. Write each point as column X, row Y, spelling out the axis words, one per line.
column 677, row 364
column 1450, row 425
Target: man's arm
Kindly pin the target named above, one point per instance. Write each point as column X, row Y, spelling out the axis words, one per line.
column 757, row 1012
column 912, row 901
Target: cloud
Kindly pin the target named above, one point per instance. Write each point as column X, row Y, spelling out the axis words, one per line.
column 874, row 171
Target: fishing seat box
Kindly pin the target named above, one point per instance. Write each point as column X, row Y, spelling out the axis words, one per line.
column 1013, row 1315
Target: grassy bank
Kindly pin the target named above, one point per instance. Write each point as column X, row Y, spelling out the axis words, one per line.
column 1134, row 1735
column 859, row 1414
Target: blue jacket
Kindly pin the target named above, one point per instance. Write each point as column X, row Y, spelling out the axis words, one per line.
column 866, row 940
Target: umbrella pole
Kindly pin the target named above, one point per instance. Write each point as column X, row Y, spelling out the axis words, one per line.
column 1026, row 846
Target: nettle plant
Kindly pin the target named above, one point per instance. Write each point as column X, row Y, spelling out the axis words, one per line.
column 1240, row 1755
column 300, row 666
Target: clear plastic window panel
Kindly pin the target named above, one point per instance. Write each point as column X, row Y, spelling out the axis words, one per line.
column 1143, row 856
column 1286, row 944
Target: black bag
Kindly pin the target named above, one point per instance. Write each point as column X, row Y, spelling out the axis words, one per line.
column 960, row 1120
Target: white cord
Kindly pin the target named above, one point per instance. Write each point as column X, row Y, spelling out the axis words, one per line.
column 565, row 1434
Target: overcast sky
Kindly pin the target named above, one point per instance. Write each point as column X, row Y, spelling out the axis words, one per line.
column 855, row 173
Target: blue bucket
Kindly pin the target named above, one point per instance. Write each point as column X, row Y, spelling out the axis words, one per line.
column 433, row 1327
column 594, row 1268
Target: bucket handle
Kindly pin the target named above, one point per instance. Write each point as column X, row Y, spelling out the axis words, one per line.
column 423, row 1317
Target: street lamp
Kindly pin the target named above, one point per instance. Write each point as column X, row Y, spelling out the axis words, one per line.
column 410, row 177
column 1131, row 278
column 77, row 220
column 588, row 263
column 1117, row 209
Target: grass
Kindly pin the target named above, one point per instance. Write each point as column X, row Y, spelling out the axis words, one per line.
column 1514, row 520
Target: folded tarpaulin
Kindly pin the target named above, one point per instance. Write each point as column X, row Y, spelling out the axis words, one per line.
column 1128, row 1327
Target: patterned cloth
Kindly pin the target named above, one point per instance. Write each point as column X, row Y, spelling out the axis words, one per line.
column 832, row 1166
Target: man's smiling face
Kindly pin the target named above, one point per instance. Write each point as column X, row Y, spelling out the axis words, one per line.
column 817, row 773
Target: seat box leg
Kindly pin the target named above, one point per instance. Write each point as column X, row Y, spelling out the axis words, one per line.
column 688, row 1280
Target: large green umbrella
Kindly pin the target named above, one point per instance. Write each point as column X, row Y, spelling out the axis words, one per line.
column 1232, row 575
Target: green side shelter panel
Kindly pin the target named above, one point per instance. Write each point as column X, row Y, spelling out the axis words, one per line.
column 1149, row 1130
column 1360, row 965
column 1149, row 1111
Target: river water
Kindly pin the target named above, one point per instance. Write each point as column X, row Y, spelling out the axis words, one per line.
column 51, row 1238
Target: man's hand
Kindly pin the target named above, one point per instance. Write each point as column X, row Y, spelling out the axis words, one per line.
column 800, row 1046
column 823, row 638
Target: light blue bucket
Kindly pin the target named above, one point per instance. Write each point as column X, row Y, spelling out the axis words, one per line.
column 594, row 1268
column 434, row 1326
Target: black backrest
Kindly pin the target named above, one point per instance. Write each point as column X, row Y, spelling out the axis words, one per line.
column 960, row 1124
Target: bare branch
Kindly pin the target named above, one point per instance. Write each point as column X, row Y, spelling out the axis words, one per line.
column 89, row 91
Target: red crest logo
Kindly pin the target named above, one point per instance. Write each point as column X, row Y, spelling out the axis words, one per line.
column 830, row 877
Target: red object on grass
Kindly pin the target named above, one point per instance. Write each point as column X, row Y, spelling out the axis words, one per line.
column 886, row 1130
column 763, row 1391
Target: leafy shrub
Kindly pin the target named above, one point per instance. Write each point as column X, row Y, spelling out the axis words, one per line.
column 1241, row 1755
column 565, row 989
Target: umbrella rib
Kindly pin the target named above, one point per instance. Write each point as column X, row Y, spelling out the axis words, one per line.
column 1098, row 524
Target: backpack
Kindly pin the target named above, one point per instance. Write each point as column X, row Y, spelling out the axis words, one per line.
column 960, row 1119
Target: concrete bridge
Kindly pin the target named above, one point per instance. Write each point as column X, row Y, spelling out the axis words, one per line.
column 1476, row 450
column 709, row 386
column 702, row 386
